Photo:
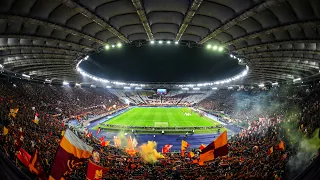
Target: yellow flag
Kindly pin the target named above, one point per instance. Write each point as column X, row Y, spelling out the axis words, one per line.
column 62, row 133
column 5, row 130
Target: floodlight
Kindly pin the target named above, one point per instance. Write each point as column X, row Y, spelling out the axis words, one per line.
column 220, row 49
column 215, row 47
column 119, row 45
column 160, row 42
column 231, row 55
column 214, row 88
column 168, row 42
column 108, row 87
column 152, row 42
column 208, row 46
column 65, row 83
column 113, row 46
column 107, row 47
column 77, row 84
column 261, row 85
column 176, row 42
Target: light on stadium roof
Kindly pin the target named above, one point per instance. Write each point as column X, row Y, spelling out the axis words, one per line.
column 275, row 84
column 126, row 87
column 176, row 42
column 196, row 89
column 138, row 88
column 231, row 55
column 261, row 85
column 168, row 42
column 230, row 87
column 108, row 87
column 208, row 46
column 298, row 79
column 107, row 47
column 65, row 83
column 1, row 66
column 113, row 46
column 77, row 84
column 152, row 42
column 93, row 86
column 160, row 42
column 220, row 49
column 214, row 88
column 215, row 47
column 85, row 58
column 119, row 45
column 185, row 89
column 26, row 76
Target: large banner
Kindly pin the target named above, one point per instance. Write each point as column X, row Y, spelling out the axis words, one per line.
column 71, row 153
column 95, row 172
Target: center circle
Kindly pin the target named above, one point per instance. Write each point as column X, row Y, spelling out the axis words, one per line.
column 161, row 63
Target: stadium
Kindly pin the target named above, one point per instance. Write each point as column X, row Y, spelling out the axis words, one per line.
column 166, row 89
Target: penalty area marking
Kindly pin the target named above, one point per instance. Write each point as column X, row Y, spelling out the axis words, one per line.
column 161, row 124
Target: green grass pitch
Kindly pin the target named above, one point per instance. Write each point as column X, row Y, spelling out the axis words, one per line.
column 169, row 117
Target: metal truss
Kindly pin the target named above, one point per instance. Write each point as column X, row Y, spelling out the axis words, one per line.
column 143, row 18
column 188, row 17
column 90, row 15
column 247, row 14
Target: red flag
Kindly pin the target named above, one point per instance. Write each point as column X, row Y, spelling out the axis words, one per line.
column 98, row 131
column 202, row 146
column 24, row 157
column 35, row 166
column 101, row 138
column 95, row 172
column 166, row 148
column 105, row 143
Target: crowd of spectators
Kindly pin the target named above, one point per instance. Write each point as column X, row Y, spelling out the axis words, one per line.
column 247, row 158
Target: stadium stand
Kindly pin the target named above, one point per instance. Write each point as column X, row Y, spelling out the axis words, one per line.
column 247, row 150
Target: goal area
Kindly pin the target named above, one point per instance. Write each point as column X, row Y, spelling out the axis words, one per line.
column 161, row 124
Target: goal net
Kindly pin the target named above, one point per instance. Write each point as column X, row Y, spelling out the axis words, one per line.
column 161, row 124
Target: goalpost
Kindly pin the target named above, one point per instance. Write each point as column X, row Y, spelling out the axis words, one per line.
column 161, row 124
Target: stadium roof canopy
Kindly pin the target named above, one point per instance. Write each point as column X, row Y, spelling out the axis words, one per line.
column 279, row 39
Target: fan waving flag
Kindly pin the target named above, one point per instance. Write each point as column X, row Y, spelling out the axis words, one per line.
column 24, row 157
column 218, row 147
column 184, row 146
column 202, row 146
column 71, row 153
column 166, row 148
column 95, row 172
column 35, row 166
column 36, row 119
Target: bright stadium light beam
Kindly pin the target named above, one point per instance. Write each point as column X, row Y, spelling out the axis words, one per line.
column 119, row 45
column 208, row 46
column 215, row 47
column 168, row 42
column 65, row 83
column 160, row 42
column 151, row 42
column 177, row 42
column 220, row 49
column 113, row 46
column 107, row 47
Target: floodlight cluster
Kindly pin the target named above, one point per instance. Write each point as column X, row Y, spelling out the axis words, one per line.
column 162, row 42
column 215, row 47
column 235, row 57
column 109, row 46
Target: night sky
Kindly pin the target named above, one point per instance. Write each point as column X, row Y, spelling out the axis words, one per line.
column 161, row 63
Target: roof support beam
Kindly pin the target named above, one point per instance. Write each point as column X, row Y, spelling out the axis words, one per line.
column 36, row 56
column 309, row 24
column 277, row 43
column 12, row 18
column 37, row 60
column 3, row 48
column 188, row 17
column 31, row 68
column 281, row 58
column 90, row 15
column 143, row 17
column 247, row 14
column 275, row 70
column 284, row 51
column 49, row 39
column 282, row 65
column 57, row 69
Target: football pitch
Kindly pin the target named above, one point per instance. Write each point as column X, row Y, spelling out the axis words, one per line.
column 161, row 117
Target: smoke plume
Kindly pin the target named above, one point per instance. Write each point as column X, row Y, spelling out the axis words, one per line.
column 149, row 153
